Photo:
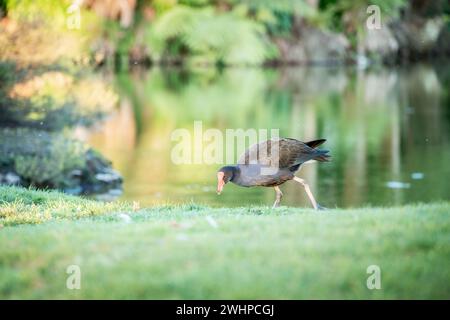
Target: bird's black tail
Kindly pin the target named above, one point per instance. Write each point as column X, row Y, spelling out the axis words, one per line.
column 315, row 143
column 322, row 155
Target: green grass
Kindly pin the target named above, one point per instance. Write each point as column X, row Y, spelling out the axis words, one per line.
column 179, row 252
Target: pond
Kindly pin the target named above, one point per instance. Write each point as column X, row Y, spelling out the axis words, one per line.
column 388, row 130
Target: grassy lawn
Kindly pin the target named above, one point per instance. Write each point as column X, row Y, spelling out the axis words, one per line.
column 198, row 252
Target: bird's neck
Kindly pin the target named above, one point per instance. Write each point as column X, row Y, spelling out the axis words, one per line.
column 236, row 172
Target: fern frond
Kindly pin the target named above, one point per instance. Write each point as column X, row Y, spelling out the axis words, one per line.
column 212, row 36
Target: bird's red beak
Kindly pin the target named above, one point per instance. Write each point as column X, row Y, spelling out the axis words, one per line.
column 220, row 182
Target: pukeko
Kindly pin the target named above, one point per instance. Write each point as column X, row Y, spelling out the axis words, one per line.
column 272, row 163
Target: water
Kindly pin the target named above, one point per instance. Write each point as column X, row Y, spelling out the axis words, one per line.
column 387, row 129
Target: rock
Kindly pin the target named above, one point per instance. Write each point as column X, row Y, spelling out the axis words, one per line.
column 108, row 176
column 380, row 43
column 313, row 46
column 443, row 40
column 51, row 160
column 291, row 51
column 115, row 192
column 324, row 47
column 99, row 178
column 10, row 178
column 417, row 35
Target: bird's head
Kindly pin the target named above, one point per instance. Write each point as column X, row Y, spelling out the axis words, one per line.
column 224, row 175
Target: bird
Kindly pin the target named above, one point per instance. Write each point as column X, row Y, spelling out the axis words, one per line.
column 271, row 163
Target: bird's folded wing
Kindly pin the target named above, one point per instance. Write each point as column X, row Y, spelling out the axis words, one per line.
column 282, row 153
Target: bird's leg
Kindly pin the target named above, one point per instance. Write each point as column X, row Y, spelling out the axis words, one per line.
column 308, row 192
column 278, row 198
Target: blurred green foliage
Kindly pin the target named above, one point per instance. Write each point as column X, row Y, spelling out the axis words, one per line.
column 338, row 12
column 38, row 10
column 229, row 32
column 41, row 158
column 226, row 32
column 209, row 37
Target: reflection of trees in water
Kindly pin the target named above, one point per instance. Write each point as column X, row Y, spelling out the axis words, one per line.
column 374, row 122
column 38, row 109
column 426, row 128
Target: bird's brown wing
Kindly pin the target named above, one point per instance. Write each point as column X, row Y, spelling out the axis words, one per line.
column 291, row 152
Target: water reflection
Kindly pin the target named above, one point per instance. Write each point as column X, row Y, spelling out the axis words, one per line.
column 38, row 109
column 384, row 127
